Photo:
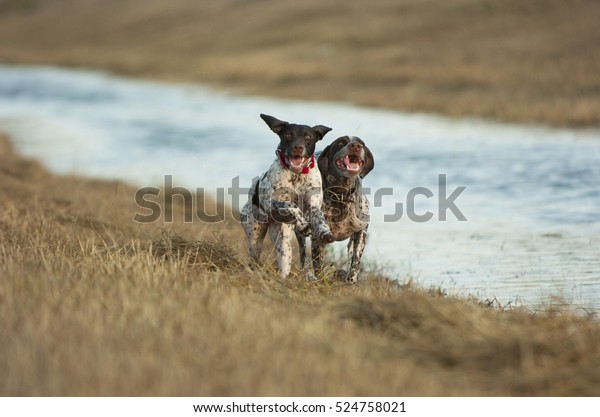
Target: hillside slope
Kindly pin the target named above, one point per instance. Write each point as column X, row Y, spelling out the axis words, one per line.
column 92, row 303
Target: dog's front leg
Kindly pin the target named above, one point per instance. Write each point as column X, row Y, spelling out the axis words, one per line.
column 356, row 247
column 281, row 235
column 319, row 226
column 317, row 248
column 288, row 212
column 301, row 247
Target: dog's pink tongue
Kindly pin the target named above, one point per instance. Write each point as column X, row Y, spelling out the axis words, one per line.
column 351, row 166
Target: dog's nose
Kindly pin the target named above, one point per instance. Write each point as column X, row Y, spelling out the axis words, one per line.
column 298, row 148
column 355, row 146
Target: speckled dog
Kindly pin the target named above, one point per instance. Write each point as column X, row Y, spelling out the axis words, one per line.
column 288, row 196
column 343, row 164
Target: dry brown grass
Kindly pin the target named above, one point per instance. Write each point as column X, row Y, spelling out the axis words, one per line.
column 94, row 304
column 511, row 60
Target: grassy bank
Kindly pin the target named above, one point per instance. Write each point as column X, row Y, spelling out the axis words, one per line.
column 509, row 60
column 92, row 303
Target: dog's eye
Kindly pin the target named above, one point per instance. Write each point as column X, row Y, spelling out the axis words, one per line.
column 307, row 137
column 289, row 134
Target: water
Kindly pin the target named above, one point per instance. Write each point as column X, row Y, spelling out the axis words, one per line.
column 531, row 201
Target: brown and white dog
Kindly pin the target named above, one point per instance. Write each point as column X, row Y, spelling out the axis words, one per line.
column 288, row 197
column 342, row 165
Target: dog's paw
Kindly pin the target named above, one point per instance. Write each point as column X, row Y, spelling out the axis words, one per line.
column 254, row 264
column 345, row 276
column 326, row 236
column 323, row 233
column 340, row 275
column 351, row 278
column 310, row 276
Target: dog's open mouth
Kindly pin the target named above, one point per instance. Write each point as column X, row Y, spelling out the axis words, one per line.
column 297, row 162
column 350, row 163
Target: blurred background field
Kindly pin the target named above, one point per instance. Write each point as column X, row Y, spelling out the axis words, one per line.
column 510, row 60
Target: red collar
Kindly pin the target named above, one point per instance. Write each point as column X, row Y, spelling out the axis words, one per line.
column 285, row 165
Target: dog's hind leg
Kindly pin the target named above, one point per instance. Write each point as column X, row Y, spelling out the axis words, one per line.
column 255, row 231
column 256, row 240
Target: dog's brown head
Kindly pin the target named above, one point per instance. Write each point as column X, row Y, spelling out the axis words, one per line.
column 297, row 142
column 345, row 159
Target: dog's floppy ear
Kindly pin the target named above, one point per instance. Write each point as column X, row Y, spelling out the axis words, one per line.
column 275, row 124
column 321, row 130
column 323, row 161
column 369, row 163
